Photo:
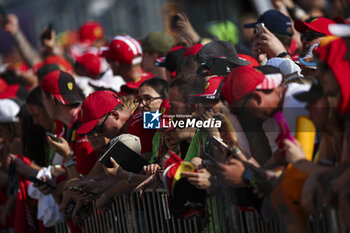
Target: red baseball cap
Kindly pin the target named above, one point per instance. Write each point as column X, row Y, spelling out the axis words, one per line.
column 90, row 31
column 319, row 24
column 62, row 86
column 212, row 90
column 193, row 50
column 333, row 51
column 60, row 61
column 123, row 49
column 135, row 85
column 90, row 62
column 95, row 106
column 253, row 62
column 243, row 80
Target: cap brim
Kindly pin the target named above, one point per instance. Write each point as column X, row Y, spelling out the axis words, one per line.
column 250, row 25
column 68, row 99
column 240, row 62
column 73, row 99
column 202, row 98
column 341, row 30
column 308, row 96
column 307, row 64
column 86, row 127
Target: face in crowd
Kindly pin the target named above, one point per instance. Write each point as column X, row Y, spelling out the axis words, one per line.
column 149, row 99
column 40, row 116
column 308, row 38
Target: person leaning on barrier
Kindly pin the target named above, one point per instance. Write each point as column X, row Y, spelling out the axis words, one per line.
column 104, row 112
column 334, row 68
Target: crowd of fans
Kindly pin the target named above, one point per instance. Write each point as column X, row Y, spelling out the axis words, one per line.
column 64, row 108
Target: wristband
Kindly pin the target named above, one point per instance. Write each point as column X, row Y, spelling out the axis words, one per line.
column 283, row 54
column 69, row 163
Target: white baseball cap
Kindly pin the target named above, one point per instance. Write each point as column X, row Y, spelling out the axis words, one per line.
column 288, row 67
column 8, row 111
column 131, row 141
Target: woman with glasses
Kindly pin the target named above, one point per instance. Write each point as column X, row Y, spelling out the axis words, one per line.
column 151, row 94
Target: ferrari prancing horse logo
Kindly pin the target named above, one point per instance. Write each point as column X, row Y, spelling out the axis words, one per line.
column 70, row 86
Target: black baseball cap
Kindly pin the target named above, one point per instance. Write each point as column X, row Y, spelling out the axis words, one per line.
column 62, row 86
column 219, row 58
column 275, row 21
column 173, row 58
column 313, row 94
column 220, row 50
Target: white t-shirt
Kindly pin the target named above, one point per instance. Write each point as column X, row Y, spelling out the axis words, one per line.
column 292, row 108
column 109, row 81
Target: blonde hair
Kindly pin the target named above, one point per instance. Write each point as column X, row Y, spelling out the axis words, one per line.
column 128, row 101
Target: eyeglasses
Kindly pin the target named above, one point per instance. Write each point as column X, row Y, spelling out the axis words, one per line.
column 99, row 129
column 146, row 100
column 311, row 35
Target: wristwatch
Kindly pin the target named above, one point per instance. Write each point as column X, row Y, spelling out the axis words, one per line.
column 283, row 54
column 69, row 163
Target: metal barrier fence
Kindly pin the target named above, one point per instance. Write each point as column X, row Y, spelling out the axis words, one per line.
column 129, row 213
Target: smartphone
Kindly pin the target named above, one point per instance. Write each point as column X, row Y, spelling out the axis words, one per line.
column 39, row 182
column 75, row 188
column 217, row 150
column 283, row 126
column 53, row 136
column 259, row 28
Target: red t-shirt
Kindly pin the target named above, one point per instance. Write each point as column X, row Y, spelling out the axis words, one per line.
column 84, row 155
column 145, row 135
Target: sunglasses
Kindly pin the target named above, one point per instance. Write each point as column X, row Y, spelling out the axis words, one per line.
column 309, row 36
column 99, row 129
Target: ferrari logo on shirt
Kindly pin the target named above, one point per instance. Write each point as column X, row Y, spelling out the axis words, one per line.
column 70, row 86
column 207, row 85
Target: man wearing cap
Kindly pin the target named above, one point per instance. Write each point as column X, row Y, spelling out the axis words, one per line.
column 124, row 55
column 155, row 46
column 103, row 112
column 171, row 62
column 276, row 37
column 218, row 58
column 62, row 102
column 312, row 31
column 257, row 95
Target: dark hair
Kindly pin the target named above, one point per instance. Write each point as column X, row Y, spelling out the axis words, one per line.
column 285, row 40
column 35, row 97
column 188, row 84
column 159, row 85
column 34, row 141
column 188, row 64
